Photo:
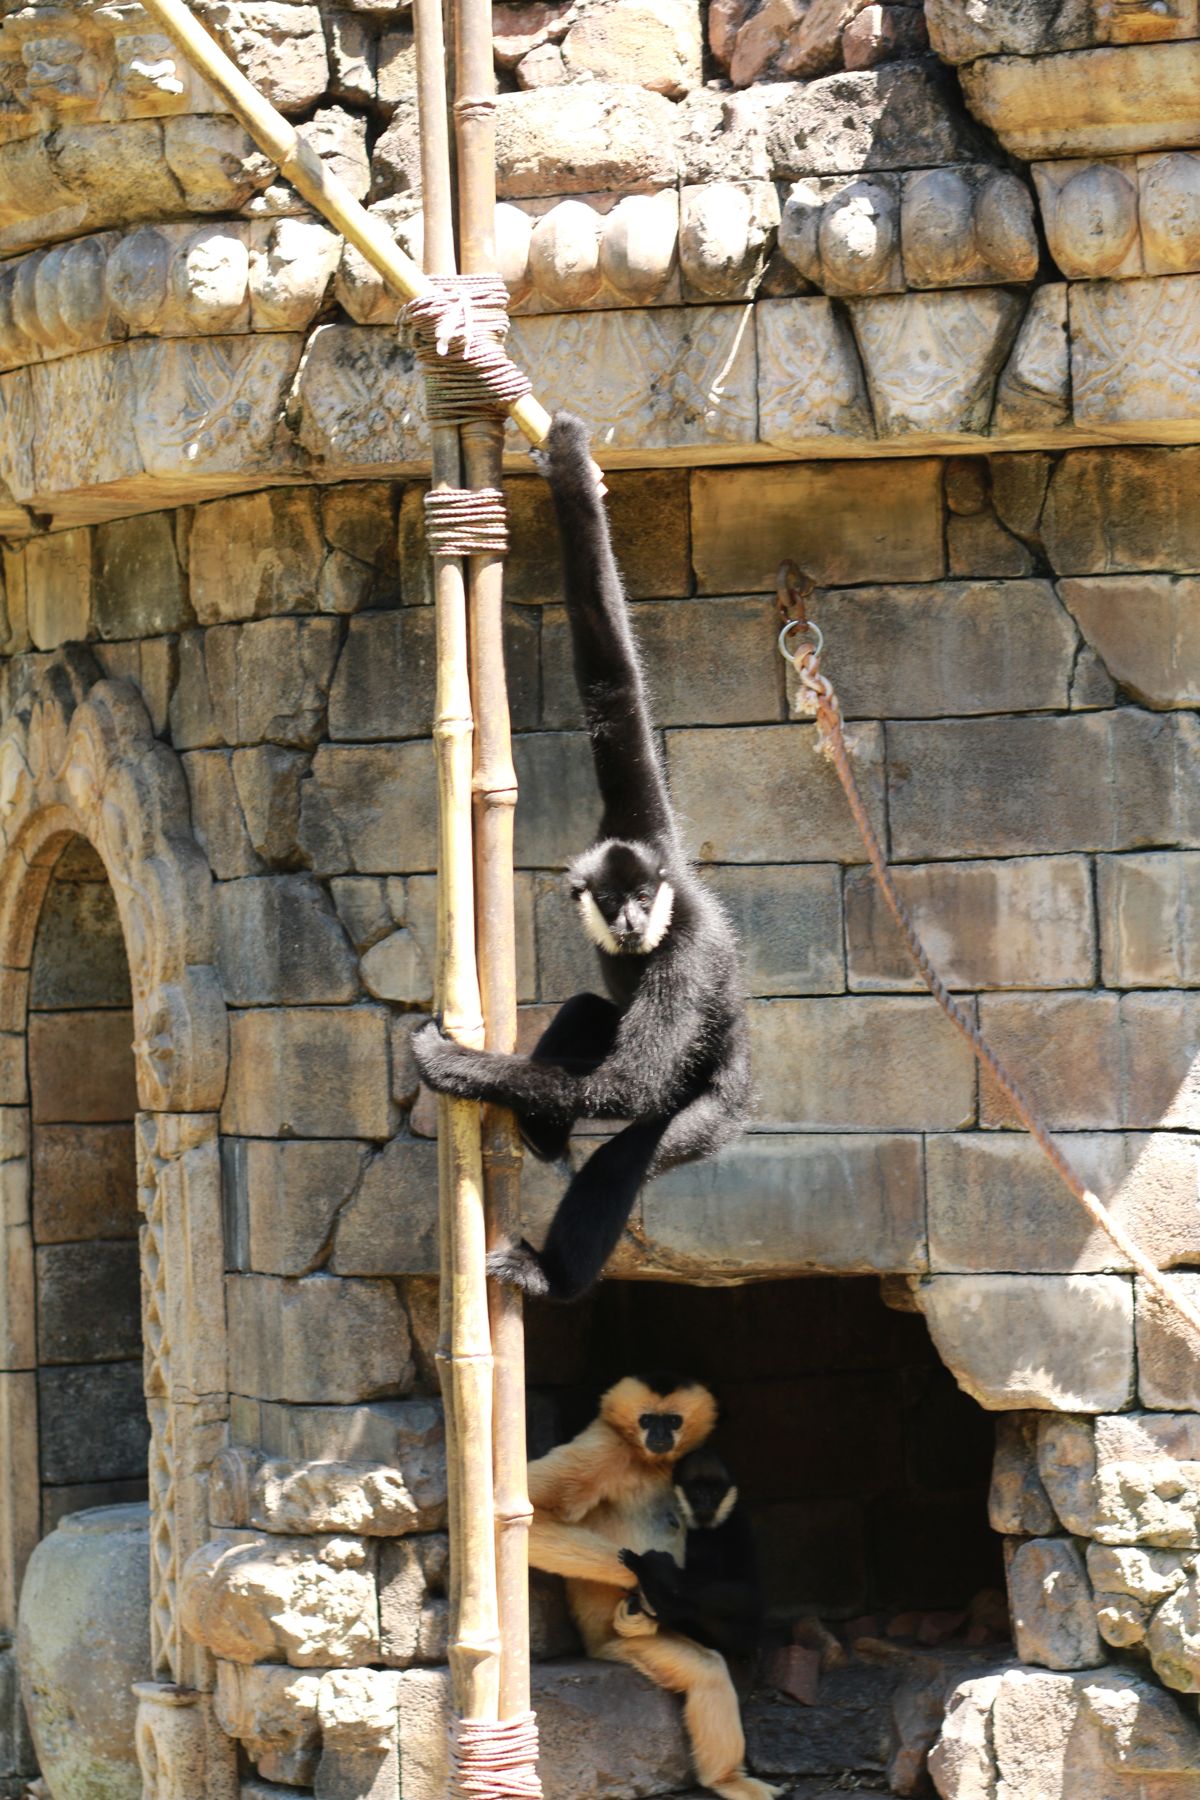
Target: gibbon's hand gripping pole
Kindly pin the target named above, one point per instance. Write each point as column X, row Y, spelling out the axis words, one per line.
column 299, row 163
column 822, row 701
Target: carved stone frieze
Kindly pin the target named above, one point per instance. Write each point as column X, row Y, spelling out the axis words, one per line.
column 181, row 1749
column 811, row 385
column 1034, row 390
column 1123, row 217
column 1102, row 102
column 932, row 360
column 1135, row 352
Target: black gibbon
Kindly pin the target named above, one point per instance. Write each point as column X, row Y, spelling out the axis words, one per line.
column 668, row 1050
column 611, row 1489
column 715, row 1597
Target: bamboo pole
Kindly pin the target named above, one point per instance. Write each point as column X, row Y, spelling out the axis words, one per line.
column 464, row 1351
column 495, row 802
column 299, row 163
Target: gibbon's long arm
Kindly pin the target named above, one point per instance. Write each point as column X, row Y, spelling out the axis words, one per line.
column 674, row 1594
column 572, row 1479
column 576, row 1552
column 629, row 773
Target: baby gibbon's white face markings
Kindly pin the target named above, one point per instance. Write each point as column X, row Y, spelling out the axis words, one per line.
column 719, row 1517
column 655, row 921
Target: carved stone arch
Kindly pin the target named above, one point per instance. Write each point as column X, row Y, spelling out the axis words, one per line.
column 78, row 757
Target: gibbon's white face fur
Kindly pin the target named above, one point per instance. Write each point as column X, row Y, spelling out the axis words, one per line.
column 719, row 1517
column 625, row 901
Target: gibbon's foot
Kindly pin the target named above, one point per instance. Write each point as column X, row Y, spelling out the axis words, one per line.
column 632, row 1620
column 545, row 1141
column 519, row 1266
column 741, row 1786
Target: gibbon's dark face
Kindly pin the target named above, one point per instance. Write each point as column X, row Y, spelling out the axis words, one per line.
column 705, row 1491
column 624, row 900
column 662, row 1419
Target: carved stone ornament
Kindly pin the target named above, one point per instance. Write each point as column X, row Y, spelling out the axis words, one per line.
column 181, row 1750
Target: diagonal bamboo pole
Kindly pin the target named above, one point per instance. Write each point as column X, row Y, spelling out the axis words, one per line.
column 299, row 163
column 495, row 801
column 464, row 1352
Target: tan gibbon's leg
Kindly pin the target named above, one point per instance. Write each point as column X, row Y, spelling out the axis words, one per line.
column 710, row 1707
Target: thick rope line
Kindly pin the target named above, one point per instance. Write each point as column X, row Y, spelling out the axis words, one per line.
column 466, row 522
column 495, row 1760
column 457, row 330
column 831, row 740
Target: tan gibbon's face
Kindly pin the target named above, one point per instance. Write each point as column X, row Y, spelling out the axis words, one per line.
column 662, row 1416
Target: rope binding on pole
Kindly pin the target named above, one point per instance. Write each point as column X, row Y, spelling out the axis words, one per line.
column 495, row 1760
column 801, row 643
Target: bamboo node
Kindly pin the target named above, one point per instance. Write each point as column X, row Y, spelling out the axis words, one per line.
column 457, row 330
column 466, row 522
column 495, row 1759
column 475, row 106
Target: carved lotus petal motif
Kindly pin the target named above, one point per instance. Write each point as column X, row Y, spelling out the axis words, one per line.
column 931, row 360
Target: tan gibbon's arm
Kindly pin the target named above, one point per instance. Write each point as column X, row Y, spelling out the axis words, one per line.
column 569, row 1481
column 575, row 1551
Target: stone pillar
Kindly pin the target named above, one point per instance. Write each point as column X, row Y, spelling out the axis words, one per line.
column 182, row 1752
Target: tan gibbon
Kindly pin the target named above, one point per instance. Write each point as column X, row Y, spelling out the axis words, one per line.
column 608, row 1490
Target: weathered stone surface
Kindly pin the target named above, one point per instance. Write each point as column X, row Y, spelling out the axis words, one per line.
column 84, row 1183
column 58, row 588
column 281, row 1200
column 779, row 1203
column 1119, row 511
column 308, row 1072
column 1173, row 1638
column 903, row 117
column 835, row 519
column 299, row 1498
column 599, row 138
column 797, row 405
column 1168, row 1376
column 317, row 1338
column 769, row 816
column 217, row 817
column 389, row 1226
column 1008, row 27
column 1090, row 211
column 726, row 232
column 932, row 360
column 84, row 1640
column 243, row 684
column 844, row 234
column 1147, row 630
column 412, row 1581
column 267, row 783
column 1127, row 1585
column 273, row 1711
column 87, row 1302
column 655, row 47
column 370, row 808
column 789, row 921
column 987, row 787
column 309, row 1602
column 995, row 1204
column 280, row 943
column 1018, row 1504
column 139, row 587
column 81, row 1067
column 1132, row 351
column 1050, row 1601
column 281, row 48
column 860, row 1064
column 1088, row 102
column 1034, row 389
column 962, row 1761
column 1046, row 1342
column 1020, row 922
column 1145, row 1490
column 981, row 546
column 884, row 34
column 1149, row 908
column 600, row 1726
column 1132, row 1062
column 1066, row 1451
column 79, row 957
column 92, row 1423
column 254, row 555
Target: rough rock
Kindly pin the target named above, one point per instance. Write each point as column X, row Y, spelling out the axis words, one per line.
column 1088, row 102
column 272, row 1710
column 594, row 136
column 309, row 1602
column 904, row 116
column 960, row 33
column 1050, row 1601
column 1018, row 1504
column 1146, row 629
column 316, row 1338
column 652, row 46
column 1149, row 906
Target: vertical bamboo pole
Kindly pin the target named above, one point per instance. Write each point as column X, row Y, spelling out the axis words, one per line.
column 464, row 1342
column 495, row 801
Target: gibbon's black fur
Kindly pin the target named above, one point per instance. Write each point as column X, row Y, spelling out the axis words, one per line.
column 715, row 1597
column 668, row 1050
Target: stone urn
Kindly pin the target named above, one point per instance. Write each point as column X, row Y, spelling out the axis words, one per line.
column 83, row 1639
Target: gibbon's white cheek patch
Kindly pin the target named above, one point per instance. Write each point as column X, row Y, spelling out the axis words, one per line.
column 689, row 1517
column 596, row 925
column 726, row 1507
column 660, row 917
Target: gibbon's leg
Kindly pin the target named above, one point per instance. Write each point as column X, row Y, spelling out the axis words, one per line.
column 577, row 1553
column 578, row 1038
column 592, row 1213
column 696, row 1132
column 710, row 1707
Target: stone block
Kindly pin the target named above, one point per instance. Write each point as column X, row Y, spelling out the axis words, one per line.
column 383, row 688
column 795, row 411
column 84, row 1183
column 932, row 360
column 58, row 588
column 281, row 943
column 961, row 1762
column 1076, row 1735
column 1095, row 102
column 789, row 922
column 298, row 1498
column 281, row 1200
column 1034, row 389
column 884, row 34
column 277, row 674
column 999, row 787
column 309, row 1602
column 1098, row 1060
column 412, row 1579
column 648, row 517
column 1019, row 922
column 404, row 1435
column 280, row 48
column 92, row 1423
column 703, row 659
column 389, row 1225
column 860, row 1064
column 602, row 1729
column 317, row 1338
column 308, row 1072
column 79, row 955
column 776, row 1204
column 981, row 546
column 1123, row 510
column 628, row 41
column 1018, row 1504
column 1144, row 1490
column 88, row 1302
column 1168, row 1376
column 559, row 806
column 995, row 1203
column 140, row 590
column 599, row 139
column 1050, row 1343
column 907, row 116
column 217, row 817
column 1149, row 909
column 760, row 795
column 18, row 1306
column 81, row 1067
column 267, row 784
column 1113, row 385
column 1146, row 630
column 838, row 520
column 19, row 1483
column 255, row 555
column 1050, row 1603
column 726, row 234
column 370, row 809
column 1013, row 27
column 272, row 1710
